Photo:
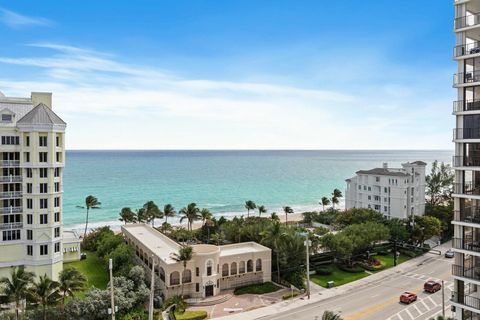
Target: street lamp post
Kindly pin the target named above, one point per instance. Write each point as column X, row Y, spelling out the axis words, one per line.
column 307, row 245
column 110, row 267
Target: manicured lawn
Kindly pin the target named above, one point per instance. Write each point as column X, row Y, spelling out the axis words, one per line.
column 338, row 276
column 93, row 269
column 388, row 260
column 262, row 288
column 191, row 315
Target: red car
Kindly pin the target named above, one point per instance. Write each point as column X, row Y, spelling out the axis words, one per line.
column 432, row 286
column 408, row 297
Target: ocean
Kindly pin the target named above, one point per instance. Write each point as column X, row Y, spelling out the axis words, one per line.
column 218, row 180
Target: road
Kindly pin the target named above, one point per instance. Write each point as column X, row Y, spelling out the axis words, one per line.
column 378, row 300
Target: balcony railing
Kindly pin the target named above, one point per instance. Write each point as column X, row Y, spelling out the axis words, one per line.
column 466, row 77
column 466, row 244
column 471, row 215
column 467, row 21
column 466, row 133
column 465, row 49
column 469, row 301
column 10, row 178
column 11, row 194
column 466, row 105
column 469, row 161
column 11, row 209
column 466, row 272
column 469, row 188
column 9, row 226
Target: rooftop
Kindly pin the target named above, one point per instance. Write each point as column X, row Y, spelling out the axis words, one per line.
column 383, row 172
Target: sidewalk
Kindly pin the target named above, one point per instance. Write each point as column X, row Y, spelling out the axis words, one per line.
column 321, row 295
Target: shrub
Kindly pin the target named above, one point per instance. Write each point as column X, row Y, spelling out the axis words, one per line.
column 91, row 240
column 321, row 231
column 297, row 278
column 191, row 315
column 289, row 295
column 177, row 300
column 261, row 288
column 351, row 269
column 323, row 271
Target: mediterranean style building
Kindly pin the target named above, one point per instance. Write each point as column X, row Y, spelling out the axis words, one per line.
column 212, row 268
column 466, row 161
column 394, row 192
column 32, row 158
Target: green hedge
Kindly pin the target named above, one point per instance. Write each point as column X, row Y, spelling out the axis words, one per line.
column 323, row 271
column 191, row 315
column 261, row 288
column 290, row 295
column 351, row 269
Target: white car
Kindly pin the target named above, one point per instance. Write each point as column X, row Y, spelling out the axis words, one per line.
column 449, row 253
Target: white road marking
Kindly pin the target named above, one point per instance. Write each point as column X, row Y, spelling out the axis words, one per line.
column 425, row 305
column 420, row 312
column 409, row 314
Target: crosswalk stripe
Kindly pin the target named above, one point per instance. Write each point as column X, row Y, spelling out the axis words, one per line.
column 409, row 314
column 420, row 312
column 426, row 307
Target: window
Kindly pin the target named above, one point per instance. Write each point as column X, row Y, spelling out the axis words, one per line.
column 59, row 156
column 57, row 232
column 365, row 188
column 56, row 216
column 43, row 203
column 385, row 189
column 26, row 156
column 385, row 208
column 359, row 187
column 174, row 278
column 42, row 156
column 377, row 179
column 29, row 235
column 225, row 270
column 209, row 268
column 377, row 198
column 57, row 186
column 6, row 117
column 11, row 235
column 30, row 250
column 369, row 188
column 43, row 218
column 197, row 287
column 27, row 141
column 29, row 219
column 10, row 140
column 377, row 207
column 369, row 197
column 29, row 172
column 56, row 201
column 42, row 141
column 233, row 268
column 250, row 266
column 43, row 172
column 187, row 276
column 57, row 140
column 57, row 172
column 43, row 187
column 258, row 265
column 197, row 272
column 241, row 267
column 43, row 249
column 57, row 246
column 29, row 188
column 29, row 204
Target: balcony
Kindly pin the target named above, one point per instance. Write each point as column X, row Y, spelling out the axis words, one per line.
column 466, row 133
column 466, row 244
column 466, row 49
column 10, row 163
column 471, row 215
column 10, row 226
column 466, row 272
column 466, row 105
column 467, row 21
column 11, row 210
column 466, row 77
column 10, row 194
column 7, row 179
column 469, row 301
column 469, row 161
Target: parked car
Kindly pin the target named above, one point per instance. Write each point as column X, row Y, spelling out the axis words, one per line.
column 432, row 286
column 449, row 253
column 408, row 297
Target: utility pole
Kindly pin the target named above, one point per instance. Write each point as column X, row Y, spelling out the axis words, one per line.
column 443, row 299
column 152, row 288
column 110, row 267
column 307, row 244
column 395, row 252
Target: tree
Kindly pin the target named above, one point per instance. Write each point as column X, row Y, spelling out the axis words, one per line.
column 274, row 216
column 398, row 230
column 356, row 216
column 44, row 292
column 70, row 281
column 127, row 215
column 273, row 235
column 90, row 203
column 141, row 216
column 168, row 211
column 184, row 255
column 191, row 212
column 205, row 214
column 152, row 212
column 16, row 287
column 287, row 211
column 329, row 315
column 424, row 228
column 250, row 205
column 439, row 183
column 324, row 202
column 218, row 238
column 261, row 209
column 336, row 195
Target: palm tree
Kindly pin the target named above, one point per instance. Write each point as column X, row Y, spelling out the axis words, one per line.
column 336, row 194
column 217, row 238
column 209, row 223
column 168, row 211
column 274, row 216
column 287, row 211
column 152, row 212
column 70, row 281
column 90, row 202
column 250, row 205
column 184, row 255
column 273, row 235
column 191, row 213
column 205, row 214
column 127, row 215
column 141, row 215
column 261, row 209
column 329, row 315
column 334, row 201
column 16, row 287
column 45, row 292
column 324, row 202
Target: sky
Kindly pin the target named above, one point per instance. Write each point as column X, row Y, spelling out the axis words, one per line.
column 243, row 74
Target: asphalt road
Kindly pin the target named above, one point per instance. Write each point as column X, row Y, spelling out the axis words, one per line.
column 379, row 300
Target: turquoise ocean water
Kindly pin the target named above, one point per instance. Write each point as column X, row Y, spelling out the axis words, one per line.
column 218, row 180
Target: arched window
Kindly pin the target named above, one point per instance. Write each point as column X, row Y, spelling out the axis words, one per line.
column 250, row 266
column 174, row 278
column 225, row 270
column 233, row 268
column 258, row 265
column 187, row 276
column 161, row 273
column 241, row 267
column 209, row 267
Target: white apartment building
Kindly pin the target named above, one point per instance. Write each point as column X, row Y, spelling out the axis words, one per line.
column 394, row 192
column 212, row 268
column 32, row 158
column 466, row 161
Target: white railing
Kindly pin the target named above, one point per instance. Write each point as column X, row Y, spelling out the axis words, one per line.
column 11, row 194
column 10, row 178
column 11, row 209
column 12, row 225
column 10, row 163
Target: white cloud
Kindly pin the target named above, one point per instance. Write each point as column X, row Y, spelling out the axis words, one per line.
column 16, row 20
column 114, row 105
